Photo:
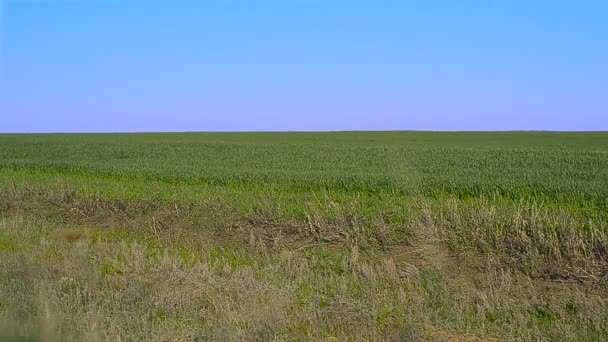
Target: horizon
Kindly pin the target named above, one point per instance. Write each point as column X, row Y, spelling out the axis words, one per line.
column 304, row 131
column 184, row 66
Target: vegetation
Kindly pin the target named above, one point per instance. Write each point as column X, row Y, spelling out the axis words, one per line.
column 303, row 236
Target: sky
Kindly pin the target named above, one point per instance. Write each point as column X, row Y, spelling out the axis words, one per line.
column 275, row 65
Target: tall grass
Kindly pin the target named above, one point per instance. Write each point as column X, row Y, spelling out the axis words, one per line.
column 113, row 285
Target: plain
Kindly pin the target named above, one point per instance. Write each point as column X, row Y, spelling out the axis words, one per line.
column 301, row 236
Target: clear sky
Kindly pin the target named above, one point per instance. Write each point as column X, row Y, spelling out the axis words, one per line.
column 179, row 65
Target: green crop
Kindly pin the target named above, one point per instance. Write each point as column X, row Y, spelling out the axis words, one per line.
column 555, row 166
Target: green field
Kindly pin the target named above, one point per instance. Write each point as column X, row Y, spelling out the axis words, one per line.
column 304, row 236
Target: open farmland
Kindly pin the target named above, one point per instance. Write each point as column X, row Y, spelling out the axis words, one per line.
column 304, row 236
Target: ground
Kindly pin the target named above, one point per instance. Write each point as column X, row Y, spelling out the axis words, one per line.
column 304, row 236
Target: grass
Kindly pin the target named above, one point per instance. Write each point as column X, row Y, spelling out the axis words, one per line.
column 515, row 165
column 304, row 236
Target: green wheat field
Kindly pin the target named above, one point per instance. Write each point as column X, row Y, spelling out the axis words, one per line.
column 402, row 236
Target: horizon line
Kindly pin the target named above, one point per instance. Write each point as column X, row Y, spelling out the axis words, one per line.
column 311, row 131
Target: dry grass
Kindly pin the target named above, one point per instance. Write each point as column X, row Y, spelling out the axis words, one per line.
column 539, row 240
column 113, row 285
column 542, row 242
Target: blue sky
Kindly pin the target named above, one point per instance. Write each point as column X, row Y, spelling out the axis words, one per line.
column 229, row 65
